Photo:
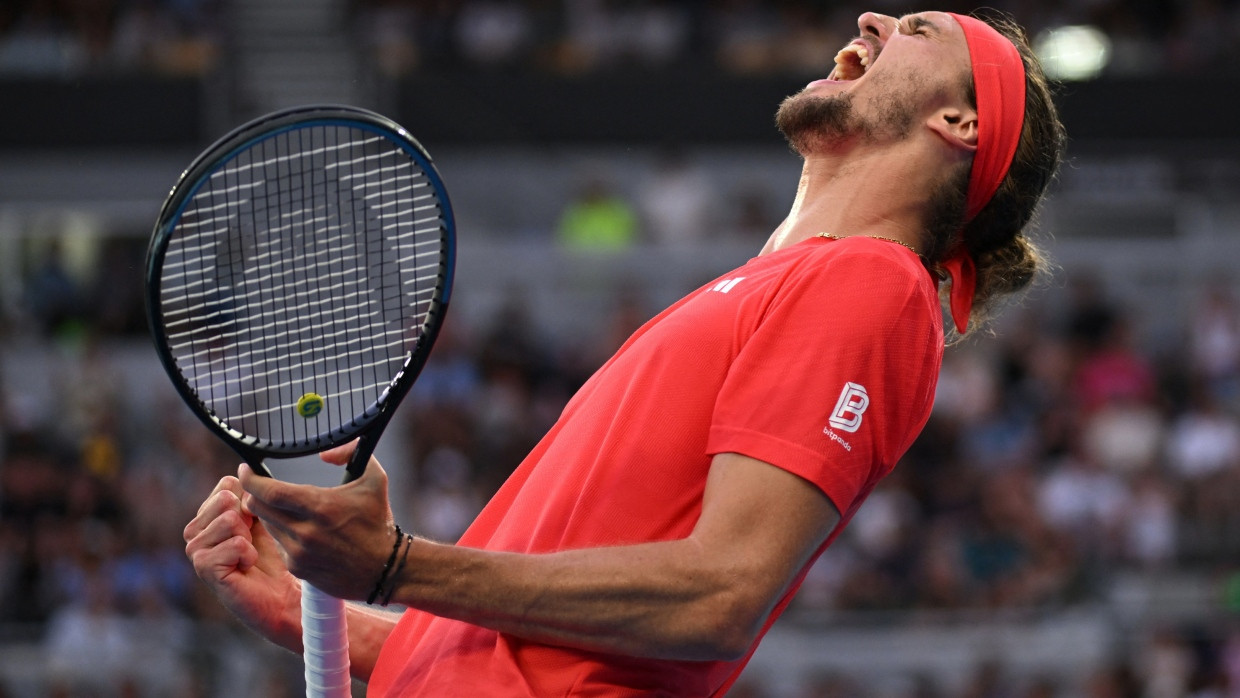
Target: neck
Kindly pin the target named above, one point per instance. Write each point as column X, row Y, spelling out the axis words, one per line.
column 882, row 191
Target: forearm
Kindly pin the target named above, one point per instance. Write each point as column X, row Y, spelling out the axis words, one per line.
column 701, row 597
column 668, row 600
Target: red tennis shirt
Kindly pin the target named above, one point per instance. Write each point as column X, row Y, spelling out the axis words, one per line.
column 821, row 359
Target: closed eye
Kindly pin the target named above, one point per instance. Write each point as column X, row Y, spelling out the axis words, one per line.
column 919, row 26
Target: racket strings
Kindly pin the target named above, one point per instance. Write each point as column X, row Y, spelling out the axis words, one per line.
column 306, row 264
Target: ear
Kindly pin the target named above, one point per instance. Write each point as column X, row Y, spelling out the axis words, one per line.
column 957, row 126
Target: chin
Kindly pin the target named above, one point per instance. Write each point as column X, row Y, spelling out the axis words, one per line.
column 811, row 122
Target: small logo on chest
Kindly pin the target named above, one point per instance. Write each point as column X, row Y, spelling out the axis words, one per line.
column 727, row 284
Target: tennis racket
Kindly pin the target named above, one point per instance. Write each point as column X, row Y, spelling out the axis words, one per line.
column 296, row 279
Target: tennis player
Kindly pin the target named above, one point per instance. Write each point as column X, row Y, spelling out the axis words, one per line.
column 654, row 535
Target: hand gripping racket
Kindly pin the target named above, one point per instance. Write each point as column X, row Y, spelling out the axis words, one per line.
column 296, row 279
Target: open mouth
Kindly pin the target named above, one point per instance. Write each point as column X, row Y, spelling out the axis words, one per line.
column 852, row 61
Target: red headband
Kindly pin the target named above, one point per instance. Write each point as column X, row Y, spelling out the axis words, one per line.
column 999, row 83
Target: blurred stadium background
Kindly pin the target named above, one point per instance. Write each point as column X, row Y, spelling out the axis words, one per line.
column 1068, row 525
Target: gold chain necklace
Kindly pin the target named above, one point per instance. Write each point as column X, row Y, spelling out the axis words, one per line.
column 829, row 236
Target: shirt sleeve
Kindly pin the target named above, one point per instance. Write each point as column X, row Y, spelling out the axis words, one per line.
column 836, row 376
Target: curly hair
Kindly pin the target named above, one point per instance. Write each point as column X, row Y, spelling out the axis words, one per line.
column 1006, row 259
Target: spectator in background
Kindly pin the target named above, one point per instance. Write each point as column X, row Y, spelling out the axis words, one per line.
column 53, row 297
column 387, row 29
column 1084, row 500
column 494, row 32
column 677, row 202
column 445, row 501
column 88, row 644
column 1204, row 439
column 1112, row 370
column 1149, row 529
column 1164, row 665
column 1213, row 336
column 598, row 220
column 1089, row 314
column 142, row 35
column 988, row 681
column 746, row 36
column 751, row 209
column 599, row 34
column 39, row 43
column 1118, row 395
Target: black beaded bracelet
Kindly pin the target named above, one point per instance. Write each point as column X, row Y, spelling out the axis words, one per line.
column 387, row 597
column 400, row 536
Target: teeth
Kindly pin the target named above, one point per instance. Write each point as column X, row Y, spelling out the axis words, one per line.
column 851, row 62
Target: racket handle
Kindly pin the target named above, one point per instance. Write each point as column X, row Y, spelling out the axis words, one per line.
column 325, row 639
column 365, row 449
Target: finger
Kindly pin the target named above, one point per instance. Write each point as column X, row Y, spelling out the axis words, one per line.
column 248, row 556
column 339, row 455
column 278, row 521
column 229, row 524
column 269, row 551
column 239, row 528
column 216, row 562
column 221, row 501
column 228, row 483
column 279, row 499
column 277, row 540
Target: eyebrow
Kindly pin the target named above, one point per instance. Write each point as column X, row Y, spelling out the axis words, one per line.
column 915, row 22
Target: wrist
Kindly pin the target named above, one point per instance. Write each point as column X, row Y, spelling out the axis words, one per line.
column 398, row 569
column 406, row 584
column 285, row 625
column 381, row 592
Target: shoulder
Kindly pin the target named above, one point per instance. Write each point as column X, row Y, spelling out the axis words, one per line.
column 871, row 268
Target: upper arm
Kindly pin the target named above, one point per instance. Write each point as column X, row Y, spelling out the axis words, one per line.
column 858, row 333
column 766, row 522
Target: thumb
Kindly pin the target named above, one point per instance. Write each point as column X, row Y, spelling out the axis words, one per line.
column 374, row 476
column 339, row 455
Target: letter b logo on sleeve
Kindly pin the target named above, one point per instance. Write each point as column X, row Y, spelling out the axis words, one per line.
column 849, row 408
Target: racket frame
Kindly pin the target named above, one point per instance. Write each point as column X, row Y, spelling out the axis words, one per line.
column 370, row 424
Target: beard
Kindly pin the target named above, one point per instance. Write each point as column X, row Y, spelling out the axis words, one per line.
column 945, row 219
column 810, row 123
column 814, row 124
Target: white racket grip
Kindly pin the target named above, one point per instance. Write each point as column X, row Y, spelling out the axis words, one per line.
column 325, row 639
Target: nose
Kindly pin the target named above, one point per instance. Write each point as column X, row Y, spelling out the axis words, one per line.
column 878, row 26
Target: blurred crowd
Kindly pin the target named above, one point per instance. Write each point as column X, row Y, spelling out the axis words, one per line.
column 750, row 36
column 50, row 37
column 57, row 38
